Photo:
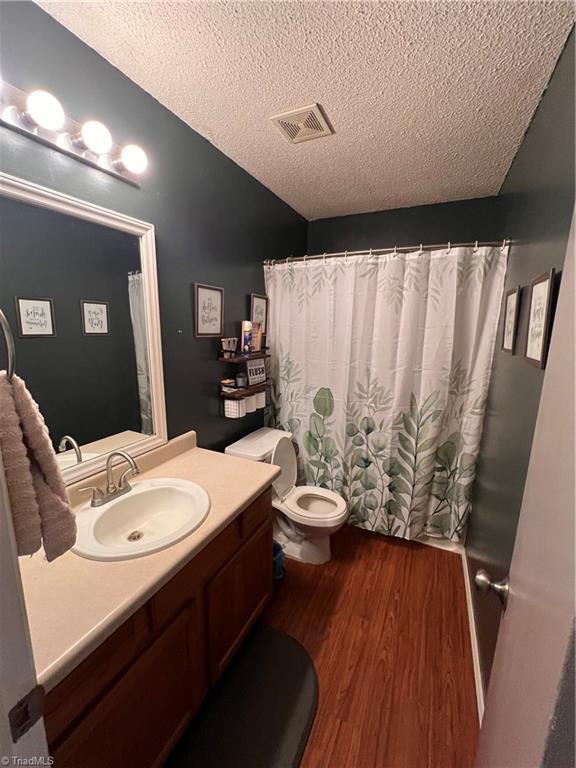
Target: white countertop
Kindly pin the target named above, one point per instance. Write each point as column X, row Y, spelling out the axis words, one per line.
column 74, row 604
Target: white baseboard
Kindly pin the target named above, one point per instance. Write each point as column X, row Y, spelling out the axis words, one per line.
column 473, row 639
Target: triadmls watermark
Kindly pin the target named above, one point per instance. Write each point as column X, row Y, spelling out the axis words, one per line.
column 34, row 760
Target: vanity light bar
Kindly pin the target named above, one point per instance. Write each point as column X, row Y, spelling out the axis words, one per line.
column 40, row 116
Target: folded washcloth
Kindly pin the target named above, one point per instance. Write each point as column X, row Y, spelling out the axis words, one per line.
column 40, row 508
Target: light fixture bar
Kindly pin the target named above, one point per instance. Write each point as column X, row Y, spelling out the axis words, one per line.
column 15, row 116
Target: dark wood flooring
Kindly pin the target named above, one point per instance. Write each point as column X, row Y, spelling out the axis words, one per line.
column 386, row 624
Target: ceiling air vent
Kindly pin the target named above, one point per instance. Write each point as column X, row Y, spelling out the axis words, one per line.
column 303, row 124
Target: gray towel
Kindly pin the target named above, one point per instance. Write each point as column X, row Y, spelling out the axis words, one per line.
column 40, row 508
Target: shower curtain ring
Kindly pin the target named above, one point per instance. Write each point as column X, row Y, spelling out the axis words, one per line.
column 449, row 246
column 475, row 246
column 395, row 254
column 421, row 249
column 504, row 244
column 324, row 258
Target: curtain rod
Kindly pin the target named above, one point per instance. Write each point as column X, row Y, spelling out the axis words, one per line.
column 395, row 249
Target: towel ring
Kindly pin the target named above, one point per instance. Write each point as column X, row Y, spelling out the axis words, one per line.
column 10, row 349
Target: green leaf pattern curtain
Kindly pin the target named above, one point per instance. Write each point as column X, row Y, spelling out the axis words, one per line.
column 380, row 368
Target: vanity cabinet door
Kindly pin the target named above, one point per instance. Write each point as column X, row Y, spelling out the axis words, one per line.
column 235, row 597
column 142, row 716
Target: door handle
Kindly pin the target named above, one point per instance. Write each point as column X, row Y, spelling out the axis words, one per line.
column 484, row 583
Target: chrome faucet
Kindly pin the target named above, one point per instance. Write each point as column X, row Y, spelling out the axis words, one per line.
column 113, row 491
column 69, row 440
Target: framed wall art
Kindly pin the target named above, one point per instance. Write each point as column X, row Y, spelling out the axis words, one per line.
column 510, row 327
column 209, row 313
column 95, row 318
column 259, row 311
column 35, row 317
column 538, row 333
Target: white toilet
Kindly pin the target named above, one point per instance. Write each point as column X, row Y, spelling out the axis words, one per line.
column 306, row 515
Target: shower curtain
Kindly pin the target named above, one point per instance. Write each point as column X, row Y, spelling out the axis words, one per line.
column 138, row 316
column 380, row 369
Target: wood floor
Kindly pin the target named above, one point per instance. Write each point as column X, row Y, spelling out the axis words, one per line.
column 385, row 622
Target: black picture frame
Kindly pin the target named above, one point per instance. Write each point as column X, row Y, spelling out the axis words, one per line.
column 254, row 297
column 22, row 333
column 513, row 293
column 199, row 323
column 539, row 318
column 106, row 304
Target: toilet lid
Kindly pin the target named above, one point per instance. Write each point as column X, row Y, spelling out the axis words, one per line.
column 284, row 456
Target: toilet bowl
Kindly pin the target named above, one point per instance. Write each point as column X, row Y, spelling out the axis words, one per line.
column 306, row 516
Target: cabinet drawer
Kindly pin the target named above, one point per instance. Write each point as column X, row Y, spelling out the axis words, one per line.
column 140, row 719
column 236, row 596
column 70, row 699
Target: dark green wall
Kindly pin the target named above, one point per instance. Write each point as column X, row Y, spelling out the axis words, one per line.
column 538, row 199
column 461, row 221
column 214, row 222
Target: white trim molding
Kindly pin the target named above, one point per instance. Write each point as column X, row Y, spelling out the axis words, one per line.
column 473, row 639
column 34, row 194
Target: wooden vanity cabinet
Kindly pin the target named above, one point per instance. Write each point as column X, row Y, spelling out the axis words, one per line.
column 235, row 597
column 130, row 700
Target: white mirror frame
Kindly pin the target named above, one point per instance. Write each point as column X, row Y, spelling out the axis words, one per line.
column 34, row 194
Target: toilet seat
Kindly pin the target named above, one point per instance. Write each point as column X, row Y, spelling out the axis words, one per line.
column 310, row 505
column 304, row 504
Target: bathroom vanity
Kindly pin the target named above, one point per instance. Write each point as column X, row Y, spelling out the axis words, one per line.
column 127, row 650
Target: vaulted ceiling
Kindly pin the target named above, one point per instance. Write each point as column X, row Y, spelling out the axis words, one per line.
column 429, row 100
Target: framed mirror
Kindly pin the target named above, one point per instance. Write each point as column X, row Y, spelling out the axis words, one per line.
column 78, row 285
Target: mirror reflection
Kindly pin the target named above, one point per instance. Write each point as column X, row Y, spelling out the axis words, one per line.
column 72, row 291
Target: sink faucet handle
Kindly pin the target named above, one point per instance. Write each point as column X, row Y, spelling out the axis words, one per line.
column 96, row 492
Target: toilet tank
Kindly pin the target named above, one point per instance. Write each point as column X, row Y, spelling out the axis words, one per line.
column 258, row 445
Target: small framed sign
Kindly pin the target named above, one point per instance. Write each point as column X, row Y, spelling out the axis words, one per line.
column 256, row 370
column 35, row 317
column 538, row 334
column 95, row 318
column 259, row 311
column 209, row 310
column 510, row 328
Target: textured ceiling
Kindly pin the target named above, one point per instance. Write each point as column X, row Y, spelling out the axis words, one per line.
column 429, row 100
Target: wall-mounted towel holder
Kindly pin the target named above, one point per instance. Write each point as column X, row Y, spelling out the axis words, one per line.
column 10, row 349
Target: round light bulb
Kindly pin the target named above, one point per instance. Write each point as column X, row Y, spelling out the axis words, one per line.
column 96, row 137
column 45, row 110
column 134, row 159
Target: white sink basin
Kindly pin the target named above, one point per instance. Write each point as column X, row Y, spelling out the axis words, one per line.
column 152, row 516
